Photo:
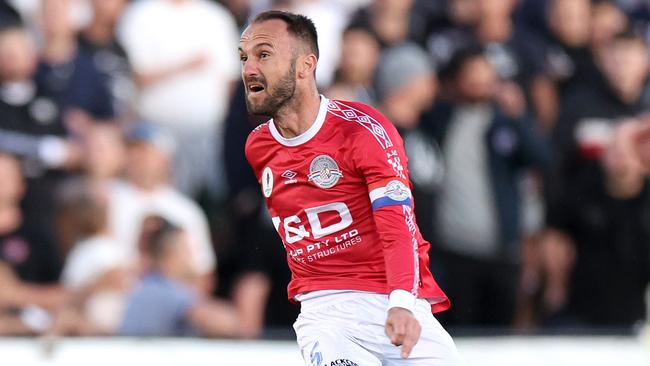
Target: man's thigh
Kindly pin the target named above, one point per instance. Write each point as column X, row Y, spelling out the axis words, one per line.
column 351, row 332
column 329, row 343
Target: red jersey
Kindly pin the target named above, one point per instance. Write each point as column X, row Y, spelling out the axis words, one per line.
column 339, row 197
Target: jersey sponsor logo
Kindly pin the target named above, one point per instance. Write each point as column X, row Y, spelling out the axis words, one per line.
column 343, row 362
column 267, row 182
column 324, row 171
column 294, row 231
column 289, row 176
column 315, row 356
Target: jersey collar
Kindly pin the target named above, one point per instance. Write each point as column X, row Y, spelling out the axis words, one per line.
column 307, row 135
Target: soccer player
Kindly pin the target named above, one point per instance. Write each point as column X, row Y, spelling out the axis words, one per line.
column 334, row 177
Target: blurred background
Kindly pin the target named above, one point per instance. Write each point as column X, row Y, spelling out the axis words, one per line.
column 127, row 207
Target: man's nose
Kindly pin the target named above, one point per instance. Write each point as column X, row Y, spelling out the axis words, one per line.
column 249, row 68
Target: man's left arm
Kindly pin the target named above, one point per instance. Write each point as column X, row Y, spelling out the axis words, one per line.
column 379, row 155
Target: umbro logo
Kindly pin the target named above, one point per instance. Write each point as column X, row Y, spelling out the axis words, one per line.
column 289, row 176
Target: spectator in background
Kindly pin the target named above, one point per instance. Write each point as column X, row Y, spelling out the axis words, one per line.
column 184, row 59
column 584, row 130
column 164, row 303
column 330, row 18
column 354, row 75
column 31, row 128
column 406, row 84
column 405, row 94
column 487, row 142
column 98, row 40
column 576, row 28
column 388, row 20
column 513, row 51
column 607, row 20
column 96, row 267
column 453, row 31
column 240, row 10
column 69, row 77
column 29, row 262
column 103, row 153
column 590, row 110
column 145, row 191
column 103, row 156
column 598, row 247
column 30, row 125
column 251, row 262
column 566, row 55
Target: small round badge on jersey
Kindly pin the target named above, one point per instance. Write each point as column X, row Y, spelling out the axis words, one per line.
column 324, row 171
column 267, row 182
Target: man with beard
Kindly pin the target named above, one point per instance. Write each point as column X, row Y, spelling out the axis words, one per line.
column 334, row 177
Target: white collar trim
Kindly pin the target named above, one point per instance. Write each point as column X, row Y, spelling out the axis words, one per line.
column 307, row 135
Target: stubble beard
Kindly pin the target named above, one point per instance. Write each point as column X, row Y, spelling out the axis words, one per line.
column 276, row 97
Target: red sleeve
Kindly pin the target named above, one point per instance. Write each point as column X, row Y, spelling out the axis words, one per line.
column 379, row 156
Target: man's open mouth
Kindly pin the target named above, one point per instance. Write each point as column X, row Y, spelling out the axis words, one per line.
column 255, row 87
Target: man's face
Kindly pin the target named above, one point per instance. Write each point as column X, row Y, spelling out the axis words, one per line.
column 477, row 80
column 268, row 55
column 108, row 10
column 146, row 163
column 18, row 58
column 570, row 20
column 631, row 53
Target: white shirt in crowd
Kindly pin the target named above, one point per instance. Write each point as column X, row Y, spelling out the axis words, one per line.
column 91, row 258
column 129, row 206
column 158, row 34
column 87, row 262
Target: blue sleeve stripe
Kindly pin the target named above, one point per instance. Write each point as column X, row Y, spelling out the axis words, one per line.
column 386, row 201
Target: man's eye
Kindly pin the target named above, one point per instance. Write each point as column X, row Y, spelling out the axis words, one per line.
column 243, row 58
column 264, row 55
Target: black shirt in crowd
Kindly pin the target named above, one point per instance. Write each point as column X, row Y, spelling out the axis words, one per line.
column 31, row 253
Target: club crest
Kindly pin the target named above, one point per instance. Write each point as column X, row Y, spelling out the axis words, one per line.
column 397, row 191
column 324, row 171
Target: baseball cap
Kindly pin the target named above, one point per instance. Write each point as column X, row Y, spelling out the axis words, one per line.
column 151, row 133
column 400, row 64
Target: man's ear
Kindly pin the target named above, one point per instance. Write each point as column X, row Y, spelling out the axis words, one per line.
column 307, row 66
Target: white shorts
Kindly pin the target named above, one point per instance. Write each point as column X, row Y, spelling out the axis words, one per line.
column 347, row 329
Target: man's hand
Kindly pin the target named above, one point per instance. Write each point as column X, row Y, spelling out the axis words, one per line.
column 403, row 329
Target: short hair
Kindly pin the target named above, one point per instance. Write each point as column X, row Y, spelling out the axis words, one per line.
column 450, row 71
column 298, row 25
column 80, row 208
column 157, row 236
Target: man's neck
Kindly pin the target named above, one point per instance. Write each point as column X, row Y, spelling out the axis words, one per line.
column 99, row 33
column 59, row 50
column 298, row 115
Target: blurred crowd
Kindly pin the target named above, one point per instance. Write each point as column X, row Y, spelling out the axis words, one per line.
column 127, row 206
